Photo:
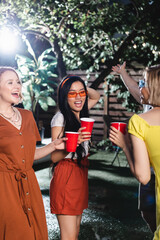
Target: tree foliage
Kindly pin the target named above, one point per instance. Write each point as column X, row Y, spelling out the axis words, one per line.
column 36, row 74
column 91, row 34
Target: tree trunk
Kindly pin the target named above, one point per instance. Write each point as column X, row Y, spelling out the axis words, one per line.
column 60, row 63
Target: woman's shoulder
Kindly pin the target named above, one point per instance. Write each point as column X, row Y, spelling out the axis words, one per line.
column 58, row 116
column 24, row 111
column 147, row 119
column 152, row 117
column 57, row 120
column 135, row 117
column 138, row 118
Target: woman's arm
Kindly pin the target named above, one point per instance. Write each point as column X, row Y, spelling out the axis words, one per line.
column 141, row 160
column 93, row 97
column 129, row 82
column 136, row 154
column 124, row 142
column 57, row 144
column 56, row 156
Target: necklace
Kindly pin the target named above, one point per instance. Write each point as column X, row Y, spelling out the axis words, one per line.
column 15, row 119
column 9, row 118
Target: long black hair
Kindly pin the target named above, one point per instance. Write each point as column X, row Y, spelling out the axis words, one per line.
column 71, row 122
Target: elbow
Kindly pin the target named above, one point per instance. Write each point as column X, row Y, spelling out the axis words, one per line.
column 143, row 179
column 53, row 159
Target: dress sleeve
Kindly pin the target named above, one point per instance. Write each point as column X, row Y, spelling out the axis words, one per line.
column 136, row 126
column 35, row 129
column 57, row 120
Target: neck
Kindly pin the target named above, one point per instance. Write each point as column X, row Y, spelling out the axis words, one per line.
column 77, row 114
column 6, row 109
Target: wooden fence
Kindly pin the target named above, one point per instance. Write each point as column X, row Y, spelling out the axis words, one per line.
column 105, row 111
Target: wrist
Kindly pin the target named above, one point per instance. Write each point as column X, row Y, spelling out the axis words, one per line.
column 52, row 146
column 123, row 72
column 125, row 149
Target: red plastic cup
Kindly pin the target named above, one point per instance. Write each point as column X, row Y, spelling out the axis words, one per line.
column 120, row 126
column 88, row 123
column 71, row 143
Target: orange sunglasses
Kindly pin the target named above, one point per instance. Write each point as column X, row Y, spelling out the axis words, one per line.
column 82, row 93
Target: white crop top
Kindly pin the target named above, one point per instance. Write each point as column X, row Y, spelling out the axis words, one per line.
column 58, row 121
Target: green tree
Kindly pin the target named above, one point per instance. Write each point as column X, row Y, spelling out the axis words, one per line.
column 91, row 34
column 36, row 74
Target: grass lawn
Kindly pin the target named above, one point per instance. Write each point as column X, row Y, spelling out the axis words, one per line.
column 114, row 196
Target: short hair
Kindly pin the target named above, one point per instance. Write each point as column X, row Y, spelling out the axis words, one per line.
column 152, row 75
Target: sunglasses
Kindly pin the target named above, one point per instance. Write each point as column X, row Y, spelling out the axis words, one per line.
column 82, row 93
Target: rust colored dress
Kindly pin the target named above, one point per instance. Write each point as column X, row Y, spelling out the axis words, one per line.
column 22, row 214
column 69, row 184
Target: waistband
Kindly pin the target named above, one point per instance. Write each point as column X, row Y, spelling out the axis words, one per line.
column 84, row 161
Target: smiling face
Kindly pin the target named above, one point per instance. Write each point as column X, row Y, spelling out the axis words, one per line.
column 76, row 104
column 10, row 87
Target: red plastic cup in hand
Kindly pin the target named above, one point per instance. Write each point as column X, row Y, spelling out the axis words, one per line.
column 71, row 143
column 88, row 123
column 120, row 126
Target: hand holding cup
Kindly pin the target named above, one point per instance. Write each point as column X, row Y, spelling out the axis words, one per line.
column 59, row 144
column 120, row 127
column 72, row 141
column 83, row 135
column 86, row 127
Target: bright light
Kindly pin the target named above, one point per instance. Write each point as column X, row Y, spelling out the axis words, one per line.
column 8, row 41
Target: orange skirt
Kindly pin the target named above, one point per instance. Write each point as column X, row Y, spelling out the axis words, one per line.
column 69, row 187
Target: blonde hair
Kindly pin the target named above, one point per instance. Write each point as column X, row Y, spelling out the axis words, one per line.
column 152, row 75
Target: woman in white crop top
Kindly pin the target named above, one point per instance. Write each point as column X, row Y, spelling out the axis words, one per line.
column 69, row 184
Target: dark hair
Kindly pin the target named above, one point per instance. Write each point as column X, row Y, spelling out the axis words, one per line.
column 71, row 122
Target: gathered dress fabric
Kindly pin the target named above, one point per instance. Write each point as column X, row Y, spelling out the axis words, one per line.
column 22, row 214
column 69, row 183
column 150, row 134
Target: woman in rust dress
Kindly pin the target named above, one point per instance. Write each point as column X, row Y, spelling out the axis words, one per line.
column 69, row 185
column 22, row 214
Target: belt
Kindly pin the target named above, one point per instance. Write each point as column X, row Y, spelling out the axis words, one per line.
column 23, row 188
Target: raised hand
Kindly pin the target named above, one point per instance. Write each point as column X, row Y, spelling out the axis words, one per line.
column 119, row 68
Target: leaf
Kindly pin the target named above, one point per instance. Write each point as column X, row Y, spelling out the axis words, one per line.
column 50, row 101
column 30, row 50
column 43, row 104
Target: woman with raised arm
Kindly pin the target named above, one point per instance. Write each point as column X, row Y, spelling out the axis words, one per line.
column 144, row 130
column 69, row 185
column 146, row 194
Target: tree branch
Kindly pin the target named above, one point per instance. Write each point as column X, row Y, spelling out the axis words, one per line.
column 88, row 50
column 116, row 57
column 41, row 35
column 66, row 17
